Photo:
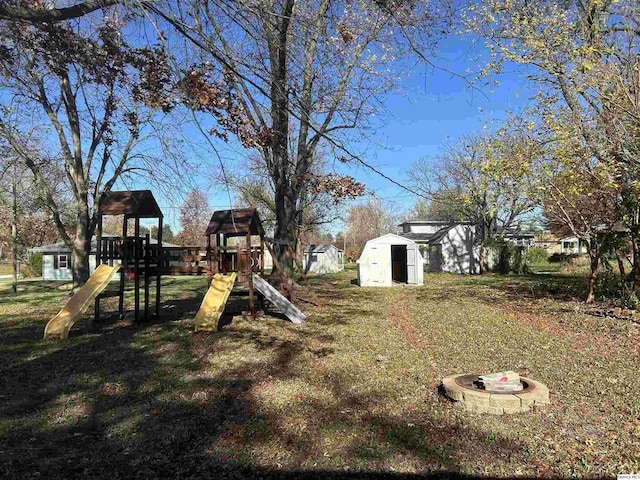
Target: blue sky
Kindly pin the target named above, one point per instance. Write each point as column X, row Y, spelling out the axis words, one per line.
column 435, row 107
column 430, row 108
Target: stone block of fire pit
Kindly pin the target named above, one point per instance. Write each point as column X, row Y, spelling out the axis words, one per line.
column 464, row 390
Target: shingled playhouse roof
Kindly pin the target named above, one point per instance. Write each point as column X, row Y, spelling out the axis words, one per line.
column 140, row 203
column 239, row 221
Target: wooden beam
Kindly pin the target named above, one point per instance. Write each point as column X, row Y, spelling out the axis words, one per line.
column 96, row 312
column 123, row 246
column 249, row 271
column 261, row 256
column 147, row 265
column 209, row 253
column 136, row 262
column 160, row 266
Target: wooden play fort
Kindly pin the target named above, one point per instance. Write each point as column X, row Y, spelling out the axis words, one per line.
column 234, row 256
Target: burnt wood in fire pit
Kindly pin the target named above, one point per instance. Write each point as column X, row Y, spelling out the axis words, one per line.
column 462, row 390
column 472, row 381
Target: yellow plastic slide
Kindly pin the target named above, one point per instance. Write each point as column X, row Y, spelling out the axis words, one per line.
column 59, row 326
column 214, row 302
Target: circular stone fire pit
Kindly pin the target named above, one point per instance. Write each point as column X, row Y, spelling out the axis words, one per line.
column 464, row 391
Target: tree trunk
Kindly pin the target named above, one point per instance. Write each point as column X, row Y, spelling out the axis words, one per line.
column 483, row 250
column 620, row 259
column 14, row 232
column 594, row 258
column 635, row 252
column 286, row 228
column 81, row 247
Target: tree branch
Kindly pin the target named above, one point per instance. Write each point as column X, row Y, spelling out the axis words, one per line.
column 37, row 15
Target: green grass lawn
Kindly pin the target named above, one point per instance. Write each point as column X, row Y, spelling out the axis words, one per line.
column 547, row 267
column 6, row 268
column 351, row 392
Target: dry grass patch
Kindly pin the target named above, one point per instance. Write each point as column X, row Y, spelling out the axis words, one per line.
column 353, row 390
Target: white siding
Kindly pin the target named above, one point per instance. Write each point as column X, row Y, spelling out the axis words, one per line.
column 424, row 228
column 50, row 273
column 459, row 252
column 572, row 246
column 329, row 261
column 62, row 274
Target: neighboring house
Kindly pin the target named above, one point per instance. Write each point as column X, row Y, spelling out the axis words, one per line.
column 521, row 238
column 420, row 231
column 453, row 249
column 446, row 246
column 320, row 259
column 548, row 242
column 572, row 245
column 57, row 258
column 390, row 259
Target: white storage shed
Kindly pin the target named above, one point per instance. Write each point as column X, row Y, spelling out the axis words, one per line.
column 390, row 259
column 320, row 259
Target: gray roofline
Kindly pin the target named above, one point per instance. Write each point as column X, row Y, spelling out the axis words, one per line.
column 61, row 247
column 427, row 221
column 439, row 235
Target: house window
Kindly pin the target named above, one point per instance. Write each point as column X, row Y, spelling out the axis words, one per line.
column 313, row 258
column 63, row 261
column 569, row 245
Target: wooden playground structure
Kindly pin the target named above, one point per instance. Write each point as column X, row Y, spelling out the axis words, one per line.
column 235, row 249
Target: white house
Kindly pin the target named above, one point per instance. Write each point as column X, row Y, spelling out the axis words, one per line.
column 572, row 246
column 320, row 259
column 420, row 231
column 390, row 259
column 521, row 238
column 446, row 246
column 454, row 249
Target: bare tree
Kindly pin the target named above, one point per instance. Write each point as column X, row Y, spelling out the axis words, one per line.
column 91, row 97
column 194, row 218
column 366, row 221
column 299, row 76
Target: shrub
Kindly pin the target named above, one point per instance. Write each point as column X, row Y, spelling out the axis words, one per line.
column 536, row 256
column 509, row 255
column 576, row 264
column 34, row 267
column 630, row 300
column 609, row 285
column 557, row 258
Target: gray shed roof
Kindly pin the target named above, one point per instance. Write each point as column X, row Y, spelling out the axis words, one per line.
column 58, row 247
column 61, row 247
column 321, row 248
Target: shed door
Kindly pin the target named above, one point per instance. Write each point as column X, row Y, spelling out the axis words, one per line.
column 399, row 256
column 412, row 264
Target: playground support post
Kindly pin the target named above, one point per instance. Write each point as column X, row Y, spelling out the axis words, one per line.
column 249, row 271
column 125, row 223
column 96, row 313
column 136, row 262
column 160, row 266
column 146, row 253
